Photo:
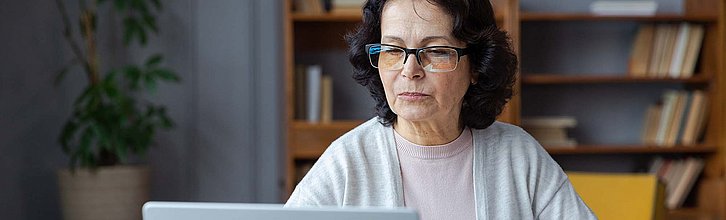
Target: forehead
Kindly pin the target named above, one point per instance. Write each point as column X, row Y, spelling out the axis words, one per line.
column 409, row 19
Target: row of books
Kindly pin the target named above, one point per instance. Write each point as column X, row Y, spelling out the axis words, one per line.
column 679, row 176
column 313, row 94
column 551, row 131
column 680, row 118
column 332, row 6
column 666, row 50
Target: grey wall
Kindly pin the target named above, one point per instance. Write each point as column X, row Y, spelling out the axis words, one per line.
column 228, row 109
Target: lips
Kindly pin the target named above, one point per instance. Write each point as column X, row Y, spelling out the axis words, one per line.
column 412, row 96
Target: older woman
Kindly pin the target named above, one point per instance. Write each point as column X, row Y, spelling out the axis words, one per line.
column 440, row 72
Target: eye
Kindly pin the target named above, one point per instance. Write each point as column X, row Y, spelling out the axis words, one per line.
column 438, row 52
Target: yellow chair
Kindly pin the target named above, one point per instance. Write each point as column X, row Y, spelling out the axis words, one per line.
column 621, row 195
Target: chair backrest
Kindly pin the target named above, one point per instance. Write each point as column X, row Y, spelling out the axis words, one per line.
column 621, row 195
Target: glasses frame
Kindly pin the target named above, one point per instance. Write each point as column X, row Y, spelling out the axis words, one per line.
column 416, row 52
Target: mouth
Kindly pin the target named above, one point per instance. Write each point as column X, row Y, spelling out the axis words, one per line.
column 412, row 96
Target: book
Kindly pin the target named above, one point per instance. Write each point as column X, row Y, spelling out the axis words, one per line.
column 347, row 6
column 651, row 123
column 641, row 51
column 666, row 116
column 326, row 108
column 314, row 76
column 683, row 184
column 687, row 136
column 300, row 97
column 666, row 57
column 693, row 48
column 679, row 50
column 643, row 8
column 549, row 122
column 674, row 123
column 656, row 56
column 683, row 117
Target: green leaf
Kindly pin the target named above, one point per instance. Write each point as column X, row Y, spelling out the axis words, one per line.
column 150, row 22
column 150, row 82
column 121, row 5
column 130, row 29
column 154, row 60
column 166, row 75
column 69, row 130
column 84, row 149
column 133, row 75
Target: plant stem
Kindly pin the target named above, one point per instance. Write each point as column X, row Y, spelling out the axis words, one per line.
column 87, row 23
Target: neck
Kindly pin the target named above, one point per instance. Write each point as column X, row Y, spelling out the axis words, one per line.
column 428, row 133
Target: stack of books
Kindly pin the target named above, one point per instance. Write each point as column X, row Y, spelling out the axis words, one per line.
column 666, row 50
column 551, row 131
column 679, row 176
column 680, row 118
column 630, row 8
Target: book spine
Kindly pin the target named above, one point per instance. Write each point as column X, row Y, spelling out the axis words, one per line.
column 314, row 75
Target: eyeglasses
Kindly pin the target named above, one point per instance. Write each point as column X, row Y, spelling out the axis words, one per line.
column 435, row 59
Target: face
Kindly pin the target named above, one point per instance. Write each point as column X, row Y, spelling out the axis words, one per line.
column 413, row 93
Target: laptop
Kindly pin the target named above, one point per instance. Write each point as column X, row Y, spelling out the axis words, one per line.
column 243, row 211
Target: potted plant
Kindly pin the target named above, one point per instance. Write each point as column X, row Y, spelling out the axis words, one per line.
column 110, row 121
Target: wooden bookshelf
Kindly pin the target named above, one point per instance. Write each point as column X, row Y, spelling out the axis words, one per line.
column 607, row 78
column 710, row 77
column 315, row 32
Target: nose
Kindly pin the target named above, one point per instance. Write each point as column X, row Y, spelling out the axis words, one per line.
column 411, row 68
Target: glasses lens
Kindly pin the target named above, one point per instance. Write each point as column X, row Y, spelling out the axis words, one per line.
column 439, row 59
column 373, row 51
column 390, row 58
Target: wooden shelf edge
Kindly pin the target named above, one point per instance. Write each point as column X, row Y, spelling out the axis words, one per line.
column 564, row 16
column 331, row 17
column 337, row 124
column 537, row 78
column 630, row 149
column 339, row 17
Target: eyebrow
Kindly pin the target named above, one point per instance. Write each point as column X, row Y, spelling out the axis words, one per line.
column 424, row 40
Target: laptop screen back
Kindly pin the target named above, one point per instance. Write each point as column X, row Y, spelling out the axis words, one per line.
column 244, row 211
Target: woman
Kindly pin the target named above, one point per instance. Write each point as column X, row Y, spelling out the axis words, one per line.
column 440, row 72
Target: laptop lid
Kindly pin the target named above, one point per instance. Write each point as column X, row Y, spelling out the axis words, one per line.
column 244, row 211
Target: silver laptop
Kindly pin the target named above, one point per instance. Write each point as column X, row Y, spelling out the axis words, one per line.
column 244, row 211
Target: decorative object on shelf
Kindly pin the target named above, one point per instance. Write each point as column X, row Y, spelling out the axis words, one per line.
column 110, row 120
column 551, row 131
column 641, row 8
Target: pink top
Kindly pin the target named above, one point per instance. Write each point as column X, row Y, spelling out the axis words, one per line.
column 438, row 180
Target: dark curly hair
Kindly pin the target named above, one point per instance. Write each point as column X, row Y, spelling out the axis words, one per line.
column 492, row 62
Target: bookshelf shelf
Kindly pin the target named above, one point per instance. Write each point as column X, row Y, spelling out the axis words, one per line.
column 542, row 16
column 327, row 17
column 610, row 78
column 338, row 17
column 631, row 149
